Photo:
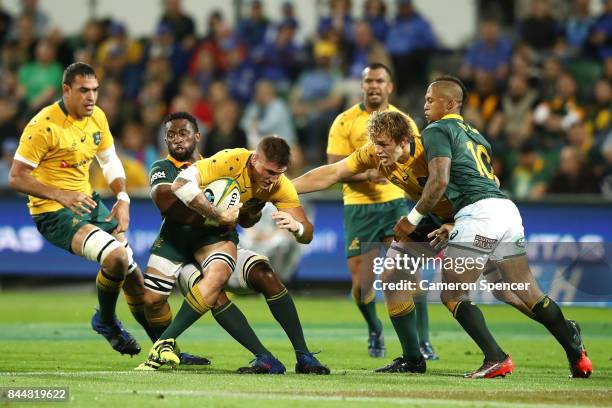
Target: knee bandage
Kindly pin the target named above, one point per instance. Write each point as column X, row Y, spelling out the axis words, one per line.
column 219, row 257
column 98, row 245
column 158, row 284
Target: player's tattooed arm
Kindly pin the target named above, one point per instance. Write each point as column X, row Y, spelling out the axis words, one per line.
column 439, row 175
column 188, row 192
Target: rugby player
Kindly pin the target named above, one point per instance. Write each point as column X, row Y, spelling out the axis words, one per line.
column 372, row 206
column 487, row 224
column 52, row 166
column 260, row 175
column 172, row 255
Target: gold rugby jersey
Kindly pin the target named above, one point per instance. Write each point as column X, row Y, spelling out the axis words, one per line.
column 61, row 149
column 234, row 163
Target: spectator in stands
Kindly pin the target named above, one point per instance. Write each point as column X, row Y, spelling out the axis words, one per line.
column 375, row 14
column 190, row 99
column 553, row 116
column 601, row 34
column 599, row 113
column 267, row 114
column 118, row 41
column 366, row 50
column 573, row 176
column 315, row 101
column 288, row 15
column 483, row 102
column 240, row 77
column 41, row 78
column 64, row 51
column 540, row 30
column 530, row 176
column 513, row 122
column 24, row 41
column 577, row 28
column 219, row 42
column 218, row 93
column 253, row 28
column 579, row 137
column 40, row 20
column 410, row 41
column 178, row 22
column 339, row 19
column 225, row 133
column 9, row 126
column 134, row 144
column 280, row 60
column 204, row 71
column 178, row 53
column 522, row 64
column 91, row 37
column 491, row 52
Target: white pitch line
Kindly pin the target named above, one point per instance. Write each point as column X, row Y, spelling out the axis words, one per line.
column 407, row 400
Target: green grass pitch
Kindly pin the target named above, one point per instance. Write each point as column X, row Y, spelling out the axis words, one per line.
column 45, row 340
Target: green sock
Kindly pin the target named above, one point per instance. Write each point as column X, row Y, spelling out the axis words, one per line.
column 471, row 319
column 422, row 318
column 368, row 310
column 405, row 328
column 107, row 300
column 139, row 315
column 233, row 321
column 156, row 332
column 183, row 319
column 550, row 315
column 283, row 310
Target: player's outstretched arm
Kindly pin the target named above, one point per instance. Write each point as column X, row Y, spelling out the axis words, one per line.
column 295, row 221
column 21, row 180
column 322, row 177
column 371, row 175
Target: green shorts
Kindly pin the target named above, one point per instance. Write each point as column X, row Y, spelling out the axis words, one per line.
column 370, row 223
column 59, row 227
column 178, row 243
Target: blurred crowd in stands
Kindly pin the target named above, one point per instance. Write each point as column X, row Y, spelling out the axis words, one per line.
column 540, row 85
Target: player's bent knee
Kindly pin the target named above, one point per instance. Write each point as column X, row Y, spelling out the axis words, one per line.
column 218, row 266
column 154, row 301
column 116, row 262
column 263, row 279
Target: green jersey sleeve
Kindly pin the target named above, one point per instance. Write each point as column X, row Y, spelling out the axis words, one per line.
column 436, row 143
column 162, row 172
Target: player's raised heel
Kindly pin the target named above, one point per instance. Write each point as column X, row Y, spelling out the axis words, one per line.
column 583, row 367
column 263, row 364
column 428, row 352
column 307, row 363
column 404, row 365
column 376, row 344
column 115, row 334
column 492, row 369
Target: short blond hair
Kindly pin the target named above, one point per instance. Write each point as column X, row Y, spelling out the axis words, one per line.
column 392, row 124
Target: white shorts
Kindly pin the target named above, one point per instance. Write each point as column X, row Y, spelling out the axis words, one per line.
column 237, row 283
column 493, row 227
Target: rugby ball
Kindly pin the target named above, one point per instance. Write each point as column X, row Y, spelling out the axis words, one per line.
column 223, row 193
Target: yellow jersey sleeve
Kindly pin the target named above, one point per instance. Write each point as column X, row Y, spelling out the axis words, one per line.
column 284, row 194
column 106, row 138
column 362, row 159
column 338, row 141
column 36, row 140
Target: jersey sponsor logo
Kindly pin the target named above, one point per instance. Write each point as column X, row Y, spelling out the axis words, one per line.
column 355, row 245
column 64, row 164
column 453, row 235
column 96, row 137
column 158, row 175
column 484, row 242
column 520, row 242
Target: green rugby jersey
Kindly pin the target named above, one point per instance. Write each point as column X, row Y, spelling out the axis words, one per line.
column 471, row 173
column 164, row 171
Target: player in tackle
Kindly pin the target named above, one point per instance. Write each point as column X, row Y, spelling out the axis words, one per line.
column 52, row 166
column 372, row 206
column 260, row 177
column 182, row 234
column 487, row 225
